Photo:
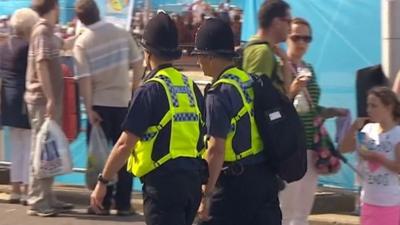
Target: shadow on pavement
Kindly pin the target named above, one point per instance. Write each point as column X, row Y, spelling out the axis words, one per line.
column 3, row 201
column 114, row 218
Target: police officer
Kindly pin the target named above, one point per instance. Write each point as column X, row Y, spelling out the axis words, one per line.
column 240, row 189
column 163, row 135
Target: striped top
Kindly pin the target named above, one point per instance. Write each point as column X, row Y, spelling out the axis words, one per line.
column 308, row 118
column 44, row 46
column 104, row 53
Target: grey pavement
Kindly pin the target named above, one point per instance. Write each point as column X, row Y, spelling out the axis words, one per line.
column 330, row 208
column 15, row 214
column 11, row 214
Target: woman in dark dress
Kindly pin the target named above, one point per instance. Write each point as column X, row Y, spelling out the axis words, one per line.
column 13, row 63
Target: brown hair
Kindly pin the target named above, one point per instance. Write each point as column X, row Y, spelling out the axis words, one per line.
column 270, row 10
column 87, row 11
column 388, row 98
column 43, row 7
column 298, row 20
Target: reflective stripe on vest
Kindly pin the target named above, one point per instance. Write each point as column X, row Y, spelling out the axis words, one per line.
column 185, row 118
column 243, row 84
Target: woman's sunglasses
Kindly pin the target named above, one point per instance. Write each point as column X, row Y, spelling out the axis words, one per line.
column 297, row 38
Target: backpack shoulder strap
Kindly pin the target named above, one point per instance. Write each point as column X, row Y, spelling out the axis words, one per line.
column 236, row 85
column 245, row 108
column 274, row 75
column 251, row 43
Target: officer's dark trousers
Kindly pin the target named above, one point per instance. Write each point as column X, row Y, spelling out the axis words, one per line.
column 112, row 119
column 171, row 198
column 247, row 199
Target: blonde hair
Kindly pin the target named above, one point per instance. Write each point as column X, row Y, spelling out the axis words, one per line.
column 22, row 21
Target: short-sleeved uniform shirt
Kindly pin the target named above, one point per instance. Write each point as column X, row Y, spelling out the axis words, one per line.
column 223, row 102
column 105, row 52
column 148, row 106
column 44, row 45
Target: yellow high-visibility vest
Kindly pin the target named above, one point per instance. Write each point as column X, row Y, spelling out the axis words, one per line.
column 185, row 118
column 243, row 84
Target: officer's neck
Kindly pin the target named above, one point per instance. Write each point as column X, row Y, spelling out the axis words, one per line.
column 219, row 66
column 156, row 63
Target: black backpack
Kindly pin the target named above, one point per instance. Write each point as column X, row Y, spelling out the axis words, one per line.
column 281, row 130
column 279, row 124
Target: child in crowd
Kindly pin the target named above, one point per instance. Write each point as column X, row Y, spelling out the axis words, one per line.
column 378, row 145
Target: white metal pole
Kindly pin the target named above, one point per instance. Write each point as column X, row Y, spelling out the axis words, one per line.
column 1, row 133
column 1, row 145
column 147, row 9
column 390, row 38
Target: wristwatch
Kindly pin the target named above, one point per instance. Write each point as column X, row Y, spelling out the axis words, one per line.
column 101, row 179
column 206, row 195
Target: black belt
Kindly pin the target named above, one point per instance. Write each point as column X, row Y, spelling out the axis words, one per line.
column 238, row 168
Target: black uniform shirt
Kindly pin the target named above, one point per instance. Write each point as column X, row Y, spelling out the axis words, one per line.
column 148, row 106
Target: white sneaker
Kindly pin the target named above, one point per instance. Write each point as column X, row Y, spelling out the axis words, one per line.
column 42, row 213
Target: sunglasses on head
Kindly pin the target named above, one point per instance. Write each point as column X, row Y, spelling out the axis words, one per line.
column 297, row 38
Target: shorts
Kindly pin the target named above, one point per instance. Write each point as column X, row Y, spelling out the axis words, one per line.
column 382, row 215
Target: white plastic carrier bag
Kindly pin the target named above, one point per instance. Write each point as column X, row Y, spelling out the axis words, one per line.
column 52, row 155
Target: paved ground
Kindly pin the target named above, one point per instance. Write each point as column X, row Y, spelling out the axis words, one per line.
column 13, row 214
column 330, row 209
column 16, row 215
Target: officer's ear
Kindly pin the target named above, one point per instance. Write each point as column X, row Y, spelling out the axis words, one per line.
column 147, row 56
column 211, row 59
column 146, row 52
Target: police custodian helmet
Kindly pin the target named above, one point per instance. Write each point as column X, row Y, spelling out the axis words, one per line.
column 160, row 37
column 215, row 37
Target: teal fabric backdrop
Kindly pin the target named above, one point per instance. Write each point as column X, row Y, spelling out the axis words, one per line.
column 7, row 7
column 346, row 38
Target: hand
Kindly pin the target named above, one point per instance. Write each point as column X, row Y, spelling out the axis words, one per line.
column 50, row 109
column 341, row 112
column 298, row 83
column 359, row 123
column 97, row 196
column 333, row 112
column 94, row 117
column 372, row 156
column 203, row 211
